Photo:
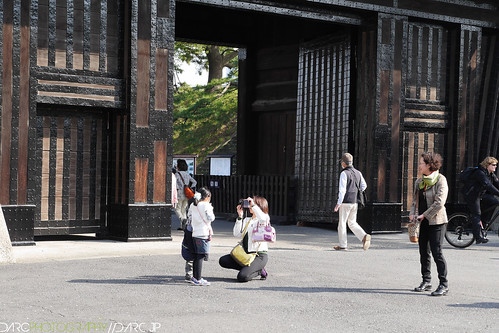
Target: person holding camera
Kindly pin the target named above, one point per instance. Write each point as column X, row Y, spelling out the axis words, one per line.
column 259, row 210
column 201, row 216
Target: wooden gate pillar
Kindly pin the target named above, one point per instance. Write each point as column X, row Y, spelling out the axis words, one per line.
column 15, row 119
column 380, row 102
column 144, row 212
column 379, row 106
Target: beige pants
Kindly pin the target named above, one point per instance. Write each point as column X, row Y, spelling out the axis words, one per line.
column 348, row 214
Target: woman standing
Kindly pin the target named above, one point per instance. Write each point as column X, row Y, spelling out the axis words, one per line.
column 259, row 210
column 183, row 178
column 428, row 207
column 201, row 215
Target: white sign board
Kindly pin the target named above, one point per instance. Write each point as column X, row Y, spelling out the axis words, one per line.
column 220, row 166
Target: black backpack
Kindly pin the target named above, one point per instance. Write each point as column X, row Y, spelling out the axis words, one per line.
column 465, row 180
column 465, row 175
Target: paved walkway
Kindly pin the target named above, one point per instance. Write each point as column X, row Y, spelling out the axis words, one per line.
column 107, row 286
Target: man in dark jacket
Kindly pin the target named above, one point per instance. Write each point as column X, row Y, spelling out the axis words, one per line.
column 481, row 188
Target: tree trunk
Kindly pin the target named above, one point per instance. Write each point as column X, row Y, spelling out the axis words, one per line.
column 217, row 61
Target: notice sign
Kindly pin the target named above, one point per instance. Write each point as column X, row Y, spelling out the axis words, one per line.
column 220, row 166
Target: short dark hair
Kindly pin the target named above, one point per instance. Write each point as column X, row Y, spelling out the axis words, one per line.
column 182, row 165
column 434, row 160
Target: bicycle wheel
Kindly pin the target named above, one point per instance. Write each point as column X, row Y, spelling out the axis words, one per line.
column 459, row 231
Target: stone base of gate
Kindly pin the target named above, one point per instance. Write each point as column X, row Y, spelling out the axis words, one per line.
column 139, row 222
column 20, row 220
column 380, row 217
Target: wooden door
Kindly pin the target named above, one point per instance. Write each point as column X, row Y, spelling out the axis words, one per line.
column 72, row 171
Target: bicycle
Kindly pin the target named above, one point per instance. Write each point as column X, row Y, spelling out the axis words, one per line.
column 459, row 231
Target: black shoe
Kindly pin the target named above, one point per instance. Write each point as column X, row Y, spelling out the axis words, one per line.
column 424, row 286
column 482, row 241
column 441, row 291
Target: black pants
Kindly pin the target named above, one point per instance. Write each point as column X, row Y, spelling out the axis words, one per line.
column 197, row 265
column 246, row 273
column 431, row 238
column 486, row 202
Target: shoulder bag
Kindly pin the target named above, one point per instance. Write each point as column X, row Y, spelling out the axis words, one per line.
column 187, row 190
column 362, row 196
column 239, row 254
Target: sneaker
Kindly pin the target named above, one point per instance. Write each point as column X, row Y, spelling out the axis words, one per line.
column 263, row 274
column 482, row 241
column 188, row 278
column 204, row 282
column 201, row 282
column 366, row 241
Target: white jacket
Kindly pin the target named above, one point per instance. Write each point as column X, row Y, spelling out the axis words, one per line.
column 201, row 228
column 261, row 219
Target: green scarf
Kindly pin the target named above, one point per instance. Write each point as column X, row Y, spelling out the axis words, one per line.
column 429, row 180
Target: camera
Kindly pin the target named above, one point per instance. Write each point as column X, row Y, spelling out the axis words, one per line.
column 246, row 203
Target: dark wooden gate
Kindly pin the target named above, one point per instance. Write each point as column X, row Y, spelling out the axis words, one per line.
column 322, row 125
column 71, row 151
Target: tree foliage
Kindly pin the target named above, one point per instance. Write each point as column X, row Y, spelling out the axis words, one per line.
column 210, row 58
column 204, row 117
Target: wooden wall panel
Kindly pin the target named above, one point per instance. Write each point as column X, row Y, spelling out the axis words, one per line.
column 161, row 94
column 143, row 71
column 75, row 39
column 160, row 171
column 141, row 169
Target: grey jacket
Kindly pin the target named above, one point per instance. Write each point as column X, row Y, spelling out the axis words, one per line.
column 436, row 196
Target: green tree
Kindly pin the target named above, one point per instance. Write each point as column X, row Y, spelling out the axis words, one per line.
column 204, row 117
column 211, row 58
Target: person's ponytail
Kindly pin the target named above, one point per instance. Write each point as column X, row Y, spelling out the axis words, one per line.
column 202, row 194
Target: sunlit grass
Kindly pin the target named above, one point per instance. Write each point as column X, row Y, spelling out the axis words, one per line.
column 204, row 118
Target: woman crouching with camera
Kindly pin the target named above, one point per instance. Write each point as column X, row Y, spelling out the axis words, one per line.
column 259, row 209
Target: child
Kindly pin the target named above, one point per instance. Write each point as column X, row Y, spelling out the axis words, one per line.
column 201, row 216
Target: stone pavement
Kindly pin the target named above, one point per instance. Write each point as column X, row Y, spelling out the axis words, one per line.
column 88, row 285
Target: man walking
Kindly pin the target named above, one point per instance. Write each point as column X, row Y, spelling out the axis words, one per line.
column 351, row 180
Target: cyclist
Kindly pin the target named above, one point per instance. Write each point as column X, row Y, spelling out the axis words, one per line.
column 481, row 188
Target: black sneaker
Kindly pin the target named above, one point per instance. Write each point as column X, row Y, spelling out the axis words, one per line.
column 482, row 241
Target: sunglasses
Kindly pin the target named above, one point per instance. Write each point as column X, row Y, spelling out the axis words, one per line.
column 493, row 164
